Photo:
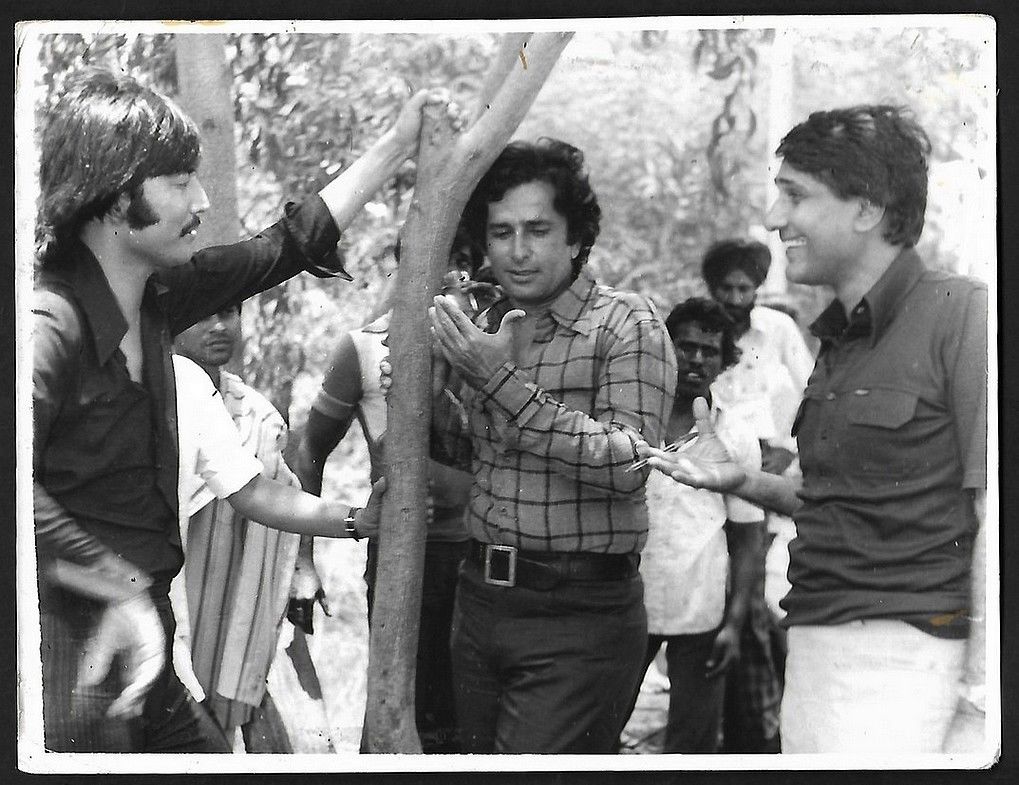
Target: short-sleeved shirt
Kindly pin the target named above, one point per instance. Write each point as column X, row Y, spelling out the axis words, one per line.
column 685, row 563
column 552, row 433
column 892, row 434
column 339, row 394
column 105, row 447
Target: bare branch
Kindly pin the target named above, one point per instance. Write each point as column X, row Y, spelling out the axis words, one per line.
column 506, row 57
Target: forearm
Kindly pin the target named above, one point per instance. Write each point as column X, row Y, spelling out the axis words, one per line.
column 289, row 509
column 596, row 451
column 773, row 492
column 745, row 541
column 348, row 193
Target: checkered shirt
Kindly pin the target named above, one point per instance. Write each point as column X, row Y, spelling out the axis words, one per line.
column 550, row 436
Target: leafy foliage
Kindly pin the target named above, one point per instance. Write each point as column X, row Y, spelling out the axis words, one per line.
column 671, row 122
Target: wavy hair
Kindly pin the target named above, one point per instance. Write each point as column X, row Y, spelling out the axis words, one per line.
column 106, row 135
column 547, row 160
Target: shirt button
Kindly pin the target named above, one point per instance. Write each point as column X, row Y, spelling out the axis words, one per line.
column 830, row 396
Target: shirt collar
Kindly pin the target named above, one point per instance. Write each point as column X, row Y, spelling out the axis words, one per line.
column 92, row 291
column 567, row 310
column 878, row 308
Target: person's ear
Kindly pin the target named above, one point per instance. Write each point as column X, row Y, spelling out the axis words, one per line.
column 117, row 214
column 868, row 215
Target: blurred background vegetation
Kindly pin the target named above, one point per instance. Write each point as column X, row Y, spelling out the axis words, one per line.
column 674, row 124
column 678, row 127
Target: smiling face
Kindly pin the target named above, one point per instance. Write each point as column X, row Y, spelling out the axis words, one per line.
column 527, row 246
column 698, row 359
column 172, row 205
column 212, row 341
column 818, row 228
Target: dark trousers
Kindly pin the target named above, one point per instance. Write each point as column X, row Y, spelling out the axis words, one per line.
column 75, row 720
column 435, row 712
column 546, row 671
column 694, row 722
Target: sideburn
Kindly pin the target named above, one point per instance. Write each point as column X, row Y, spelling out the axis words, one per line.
column 140, row 213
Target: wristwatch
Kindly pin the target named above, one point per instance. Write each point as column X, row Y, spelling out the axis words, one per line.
column 350, row 523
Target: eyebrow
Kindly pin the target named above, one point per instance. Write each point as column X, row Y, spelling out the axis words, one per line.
column 531, row 222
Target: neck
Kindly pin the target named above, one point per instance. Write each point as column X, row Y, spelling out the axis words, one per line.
column 214, row 374
column 864, row 271
column 681, row 419
column 125, row 274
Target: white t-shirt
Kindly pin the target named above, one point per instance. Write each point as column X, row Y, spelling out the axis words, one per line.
column 213, row 463
column 764, row 388
column 685, row 563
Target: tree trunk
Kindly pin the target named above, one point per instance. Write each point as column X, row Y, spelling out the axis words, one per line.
column 204, row 81
column 450, row 164
column 205, row 93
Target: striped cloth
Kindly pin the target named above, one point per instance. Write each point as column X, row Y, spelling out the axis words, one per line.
column 552, row 433
column 238, row 573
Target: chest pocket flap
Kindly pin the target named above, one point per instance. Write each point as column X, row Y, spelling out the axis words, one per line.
column 881, row 408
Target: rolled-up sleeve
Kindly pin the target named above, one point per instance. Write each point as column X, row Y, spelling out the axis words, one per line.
column 303, row 240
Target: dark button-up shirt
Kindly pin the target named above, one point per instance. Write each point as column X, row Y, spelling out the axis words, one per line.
column 105, row 447
column 892, row 433
column 552, row 434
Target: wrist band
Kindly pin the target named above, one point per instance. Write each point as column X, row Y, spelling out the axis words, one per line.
column 350, row 523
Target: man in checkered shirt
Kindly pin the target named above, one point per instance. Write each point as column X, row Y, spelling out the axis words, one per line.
column 565, row 379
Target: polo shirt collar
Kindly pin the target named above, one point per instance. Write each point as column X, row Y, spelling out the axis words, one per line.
column 92, row 291
column 878, row 307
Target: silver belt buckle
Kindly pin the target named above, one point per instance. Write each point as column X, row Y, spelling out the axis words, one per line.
column 511, row 565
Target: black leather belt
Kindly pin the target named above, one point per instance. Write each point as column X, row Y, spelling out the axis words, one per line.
column 504, row 565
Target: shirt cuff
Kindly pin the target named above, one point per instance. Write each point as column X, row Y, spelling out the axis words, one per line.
column 515, row 399
column 311, row 224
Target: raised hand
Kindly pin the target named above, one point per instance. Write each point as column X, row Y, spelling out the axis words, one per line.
column 704, row 464
column 407, row 128
column 473, row 353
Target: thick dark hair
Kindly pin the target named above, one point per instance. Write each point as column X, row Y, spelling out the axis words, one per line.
column 874, row 152
column 748, row 256
column 547, row 160
column 711, row 317
column 107, row 134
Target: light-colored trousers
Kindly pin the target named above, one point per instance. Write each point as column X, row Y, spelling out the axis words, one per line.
column 872, row 686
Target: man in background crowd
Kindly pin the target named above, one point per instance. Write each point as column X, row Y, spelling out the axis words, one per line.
column 700, row 559
column 763, row 389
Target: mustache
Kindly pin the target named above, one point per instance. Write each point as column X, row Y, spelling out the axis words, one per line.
column 191, row 225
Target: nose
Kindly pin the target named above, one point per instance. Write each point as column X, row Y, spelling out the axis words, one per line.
column 775, row 218
column 199, row 199
column 519, row 245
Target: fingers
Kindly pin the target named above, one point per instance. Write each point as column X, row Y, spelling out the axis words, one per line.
column 702, row 414
column 99, row 651
column 510, row 319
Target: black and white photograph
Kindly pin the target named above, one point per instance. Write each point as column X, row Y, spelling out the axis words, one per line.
column 607, row 394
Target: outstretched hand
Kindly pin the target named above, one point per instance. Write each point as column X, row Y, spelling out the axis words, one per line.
column 473, row 353
column 704, row 464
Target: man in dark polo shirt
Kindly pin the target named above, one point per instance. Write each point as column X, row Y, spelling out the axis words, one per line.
column 886, row 610
column 549, row 629
column 118, row 275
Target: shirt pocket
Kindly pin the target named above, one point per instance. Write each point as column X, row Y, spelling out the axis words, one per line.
column 878, row 436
